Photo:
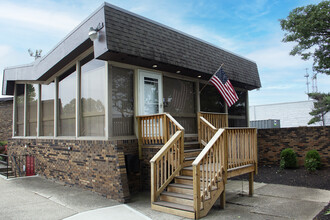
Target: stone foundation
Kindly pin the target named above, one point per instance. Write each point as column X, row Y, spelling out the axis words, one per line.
column 301, row 139
column 95, row 165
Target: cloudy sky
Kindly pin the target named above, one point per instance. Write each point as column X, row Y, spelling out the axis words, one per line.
column 246, row 27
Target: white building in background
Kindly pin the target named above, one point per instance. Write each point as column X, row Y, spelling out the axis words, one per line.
column 290, row 114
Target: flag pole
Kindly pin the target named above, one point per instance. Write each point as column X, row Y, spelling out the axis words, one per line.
column 211, row 78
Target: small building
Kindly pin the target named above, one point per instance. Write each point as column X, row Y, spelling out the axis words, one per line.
column 81, row 111
column 290, row 114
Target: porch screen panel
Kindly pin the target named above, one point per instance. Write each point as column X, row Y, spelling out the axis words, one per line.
column 179, row 101
column 211, row 100
column 122, row 101
column 237, row 112
column 47, row 109
column 93, row 93
column 19, row 131
column 67, row 103
column 32, row 105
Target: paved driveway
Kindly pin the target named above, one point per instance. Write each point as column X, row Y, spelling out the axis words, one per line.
column 38, row 198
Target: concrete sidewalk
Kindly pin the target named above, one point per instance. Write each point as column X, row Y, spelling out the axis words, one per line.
column 38, row 198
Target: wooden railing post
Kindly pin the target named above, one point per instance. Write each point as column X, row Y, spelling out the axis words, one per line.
column 153, row 182
column 256, row 150
column 140, row 137
column 165, row 127
column 225, row 156
column 197, row 190
column 199, row 114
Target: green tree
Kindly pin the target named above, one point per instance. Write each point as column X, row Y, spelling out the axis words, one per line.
column 321, row 107
column 309, row 26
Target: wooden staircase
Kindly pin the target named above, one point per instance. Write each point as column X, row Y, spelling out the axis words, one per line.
column 178, row 197
column 187, row 178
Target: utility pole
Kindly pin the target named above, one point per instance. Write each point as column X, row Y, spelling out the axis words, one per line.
column 307, row 83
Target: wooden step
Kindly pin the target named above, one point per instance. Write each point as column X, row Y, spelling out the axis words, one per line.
column 188, row 161
column 188, row 171
column 192, row 152
column 178, row 198
column 175, row 209
column 191, row 145
column 175, row 206
column 187, row 180
column 180, row 188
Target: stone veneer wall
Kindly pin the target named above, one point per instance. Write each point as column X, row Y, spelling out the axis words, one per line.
column 301, row 139
column 6, row 119
column 92, row 164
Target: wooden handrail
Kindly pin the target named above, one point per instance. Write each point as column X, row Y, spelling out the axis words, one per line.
column 207, row 147
column 164, row 149
column 206, row 131
column 208, row 123
column 174, row 121
column 167, row 163
column 208, row 169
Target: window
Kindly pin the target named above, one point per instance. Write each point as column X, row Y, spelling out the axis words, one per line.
column 239, row 108
column 237, row 112
column 67, row 103
column 32, row 107
column 19, row 111
column 211, row 100
column 93, row 94
column 47, row 109
column 179, row 101
column 122, row 102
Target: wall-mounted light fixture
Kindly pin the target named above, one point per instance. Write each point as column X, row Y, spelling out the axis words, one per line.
column 93, row 31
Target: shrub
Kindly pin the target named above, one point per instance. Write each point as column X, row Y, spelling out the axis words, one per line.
column 3, row 143
column 288, row 159
column 312, row 160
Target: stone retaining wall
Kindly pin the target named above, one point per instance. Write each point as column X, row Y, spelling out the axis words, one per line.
column 301, row 139
column 95, row 165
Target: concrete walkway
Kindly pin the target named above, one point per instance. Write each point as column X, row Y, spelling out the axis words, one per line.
column 38, row 198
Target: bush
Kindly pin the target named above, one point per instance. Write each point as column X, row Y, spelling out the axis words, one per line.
column 3, row 143
column 312, row 160
column 288, row 159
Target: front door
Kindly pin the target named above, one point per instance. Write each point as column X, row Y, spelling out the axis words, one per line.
column 150, row 93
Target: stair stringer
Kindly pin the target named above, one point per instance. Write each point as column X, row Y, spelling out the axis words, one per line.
column 215, row 194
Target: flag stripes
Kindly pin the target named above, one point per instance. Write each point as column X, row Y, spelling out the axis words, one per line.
column 225, row 88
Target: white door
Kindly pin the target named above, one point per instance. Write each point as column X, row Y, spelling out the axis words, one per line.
column 150, row 93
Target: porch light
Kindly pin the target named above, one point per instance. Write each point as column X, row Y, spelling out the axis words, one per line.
column 178, row 71
column 93, row 31
column 199, row 76
column 154, row 66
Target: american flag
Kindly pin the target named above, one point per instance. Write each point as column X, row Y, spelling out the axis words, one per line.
column 226, row 89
